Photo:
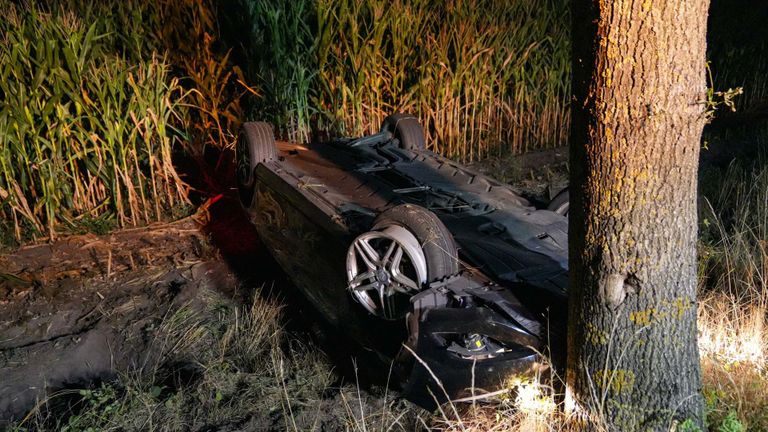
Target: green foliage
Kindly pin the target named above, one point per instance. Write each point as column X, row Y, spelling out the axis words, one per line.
column 84, row 132
column 100, row 405
column 97, row 225
column 278, row 55
column 731, row 423
column 688, row 426
column 96, row 99
column 717, row 100
column 484, row 76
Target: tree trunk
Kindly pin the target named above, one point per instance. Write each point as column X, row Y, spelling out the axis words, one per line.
column 638, row 113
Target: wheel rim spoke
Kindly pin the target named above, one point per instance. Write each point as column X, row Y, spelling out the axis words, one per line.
column 389, row 308
column 397, row 258
column 392, row 248
column 362, row 277
column 366, row 287
column 406, row 282
column 383, row 302
column 397, row 274
column 367, row 253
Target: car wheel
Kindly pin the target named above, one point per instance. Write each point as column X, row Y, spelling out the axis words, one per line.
column 255, row 145
column 407, row 129
column 407, row 248
column 560, row 203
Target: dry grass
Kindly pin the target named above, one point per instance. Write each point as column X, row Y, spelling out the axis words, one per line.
column 735, row 390
column 733, row 336
column 529, row 404
column 211, row 364
column 733, row 342
column 215, row 366
column 732, row 331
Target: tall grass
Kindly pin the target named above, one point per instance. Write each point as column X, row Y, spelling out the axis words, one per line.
column 83, row 132
column 96, row 99
column 485, row 77
column 278, row 42
column 733, row 331
column 186, row 32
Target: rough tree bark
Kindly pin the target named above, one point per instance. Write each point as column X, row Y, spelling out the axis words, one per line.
column 638, row 114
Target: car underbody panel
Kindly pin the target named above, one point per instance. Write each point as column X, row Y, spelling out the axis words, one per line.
column 494, row 315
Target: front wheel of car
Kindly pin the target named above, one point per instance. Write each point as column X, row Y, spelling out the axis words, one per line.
column 406, row 129
column 255, row 145
column 407, row 248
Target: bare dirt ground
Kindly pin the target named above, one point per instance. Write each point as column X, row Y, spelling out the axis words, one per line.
column 86, row 308
column 83, row 308
column 91, row 309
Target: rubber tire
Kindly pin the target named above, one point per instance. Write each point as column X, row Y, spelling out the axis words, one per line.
column 441, row 257
column 255, row 145
column 407, row 129
column 560, row 203
column 436, row 241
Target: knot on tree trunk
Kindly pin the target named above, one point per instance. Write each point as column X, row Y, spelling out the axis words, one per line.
column 614, row 289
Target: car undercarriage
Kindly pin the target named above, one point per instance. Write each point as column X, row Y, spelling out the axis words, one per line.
column 447, row 273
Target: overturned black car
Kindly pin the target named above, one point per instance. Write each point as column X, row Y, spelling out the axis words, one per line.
column 413, row 256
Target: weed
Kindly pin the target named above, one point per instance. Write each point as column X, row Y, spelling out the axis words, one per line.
column 719, row 99
column 730, row 424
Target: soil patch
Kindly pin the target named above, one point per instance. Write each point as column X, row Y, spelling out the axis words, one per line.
column 81, row 309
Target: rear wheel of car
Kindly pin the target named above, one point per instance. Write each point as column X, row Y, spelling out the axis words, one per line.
column 407, row 129
column 407, row 248
column 560, row 203
column 255, row 145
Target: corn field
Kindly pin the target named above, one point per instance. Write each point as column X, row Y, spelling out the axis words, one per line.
column 486, row 77
column 95, row 102
column 81, row 137
column 97, row 99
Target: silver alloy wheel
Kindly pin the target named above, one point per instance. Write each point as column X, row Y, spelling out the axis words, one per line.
column 383, row 265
